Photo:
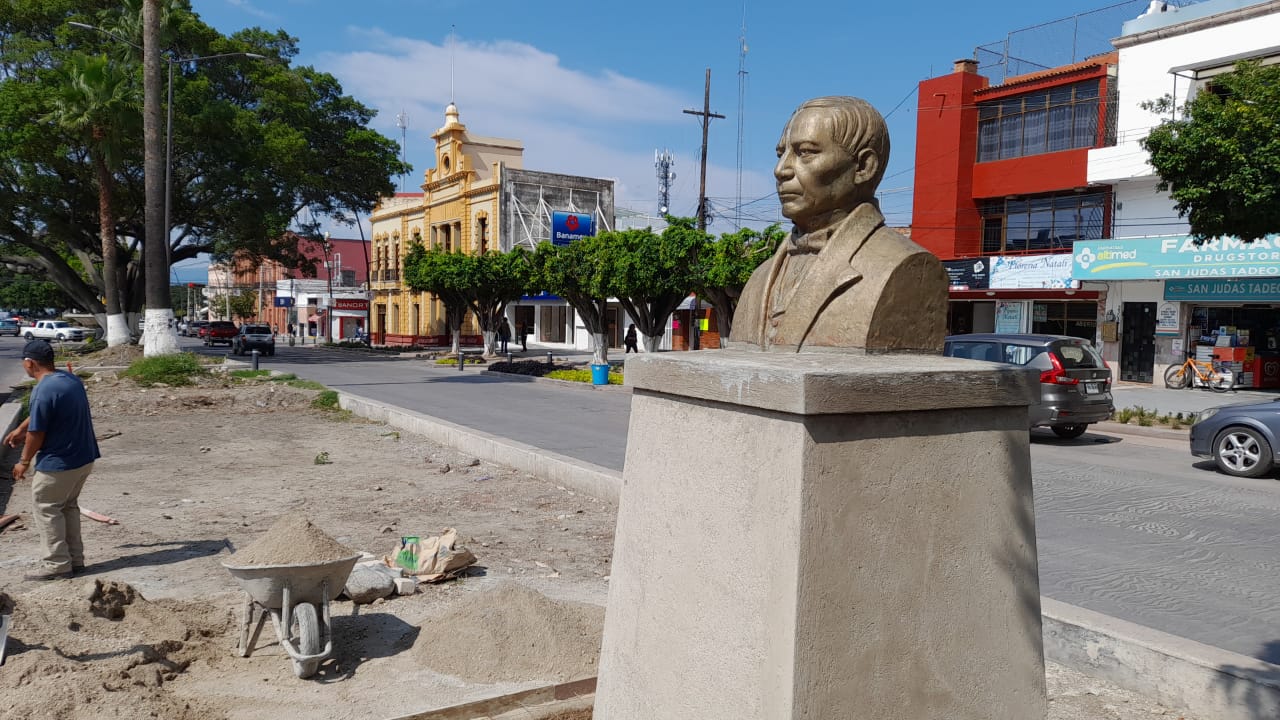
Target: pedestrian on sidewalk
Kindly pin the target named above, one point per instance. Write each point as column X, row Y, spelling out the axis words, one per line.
column 504, row 334
column 58, row 437
column 522, row 331
column 630, row 340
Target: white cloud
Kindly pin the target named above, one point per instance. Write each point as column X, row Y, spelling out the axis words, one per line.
column 251, row 9
column 598, row 123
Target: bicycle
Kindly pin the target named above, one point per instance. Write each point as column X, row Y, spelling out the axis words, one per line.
column 1198, row 373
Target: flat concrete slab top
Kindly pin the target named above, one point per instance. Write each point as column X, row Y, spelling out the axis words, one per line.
column 832, row 383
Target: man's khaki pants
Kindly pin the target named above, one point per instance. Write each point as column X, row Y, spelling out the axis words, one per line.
column 55, row 497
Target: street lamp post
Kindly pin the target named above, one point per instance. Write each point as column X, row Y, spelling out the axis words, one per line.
column 328, row 272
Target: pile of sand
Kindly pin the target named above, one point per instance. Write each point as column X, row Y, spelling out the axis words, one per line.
column 116, row 356
column 292, row 540
column 68, row 659
column 512, row 634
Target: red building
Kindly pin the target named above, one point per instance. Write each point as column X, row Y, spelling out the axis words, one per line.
column 1001, row 192
column 344, row 264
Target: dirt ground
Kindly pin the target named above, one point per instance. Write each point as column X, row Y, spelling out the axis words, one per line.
column 193, row 473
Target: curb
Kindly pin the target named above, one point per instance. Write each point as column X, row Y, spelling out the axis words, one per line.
column 1203, row 680
column 1140, row 431
column 592, row 480
column 8, row 419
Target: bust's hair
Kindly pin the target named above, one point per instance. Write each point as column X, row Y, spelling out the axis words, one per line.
column 855, row 124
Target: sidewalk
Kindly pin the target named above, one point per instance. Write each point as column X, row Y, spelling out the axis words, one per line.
column 1189, row 400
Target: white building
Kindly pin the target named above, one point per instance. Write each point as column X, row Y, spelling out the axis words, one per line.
column 1166, row 297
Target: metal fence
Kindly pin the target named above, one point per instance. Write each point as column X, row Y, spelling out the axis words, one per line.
column 1059, row 42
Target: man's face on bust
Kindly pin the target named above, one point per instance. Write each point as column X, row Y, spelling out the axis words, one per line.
column 816, row 175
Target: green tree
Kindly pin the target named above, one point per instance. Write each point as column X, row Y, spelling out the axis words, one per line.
column 580, row 273
column 446, row 275
column 256, row 145
column 97, row 101
column 490, row 282
column 1220, row 161
column 243, row 304
column 651, row 274
column 27, row 294
column 727, row 266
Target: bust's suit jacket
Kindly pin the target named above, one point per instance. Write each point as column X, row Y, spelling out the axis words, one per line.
column 869, row 288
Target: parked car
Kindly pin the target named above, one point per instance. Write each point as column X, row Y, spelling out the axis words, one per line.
column 1241, row 439
column 54, row 330
column 219, row 332
column 254, row 337
column 9, row 326
column 1075, row 382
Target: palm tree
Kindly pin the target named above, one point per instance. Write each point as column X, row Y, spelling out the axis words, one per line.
column 98, row 102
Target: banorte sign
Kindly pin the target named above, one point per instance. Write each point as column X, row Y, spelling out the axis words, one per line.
column 350, row 304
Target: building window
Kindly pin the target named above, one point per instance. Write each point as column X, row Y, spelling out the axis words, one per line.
column 1044, row 223
column 482, row 234
column 1061, row 118
column 1076, row 319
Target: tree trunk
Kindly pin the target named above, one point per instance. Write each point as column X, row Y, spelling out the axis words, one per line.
column 117, row 328
column 490, row 342
column 600, row 351
column 725, row 304
column 650, row 342
column 160, row 337
column 456, row 333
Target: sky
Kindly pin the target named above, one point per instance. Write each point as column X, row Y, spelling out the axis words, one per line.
column 594, row 88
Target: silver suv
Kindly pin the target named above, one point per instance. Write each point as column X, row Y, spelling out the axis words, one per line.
column 1075, row 382
column 254, row 337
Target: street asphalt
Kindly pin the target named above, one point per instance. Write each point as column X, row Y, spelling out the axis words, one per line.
column 1130, row 526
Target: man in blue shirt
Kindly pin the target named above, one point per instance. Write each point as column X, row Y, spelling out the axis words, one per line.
column 58, row 437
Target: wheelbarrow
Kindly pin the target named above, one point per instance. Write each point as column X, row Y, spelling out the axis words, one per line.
column 290, row 594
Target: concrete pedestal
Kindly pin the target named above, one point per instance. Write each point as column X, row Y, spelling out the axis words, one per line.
column 824, row 536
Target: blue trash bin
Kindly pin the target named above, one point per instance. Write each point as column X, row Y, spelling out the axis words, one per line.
column 599, row 374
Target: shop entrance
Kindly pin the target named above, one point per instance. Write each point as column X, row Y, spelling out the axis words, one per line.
column 1138, row 344
column 524, row 321
column 965, row 317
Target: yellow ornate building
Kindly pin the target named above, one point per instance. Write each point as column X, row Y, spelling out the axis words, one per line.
column 458, row 209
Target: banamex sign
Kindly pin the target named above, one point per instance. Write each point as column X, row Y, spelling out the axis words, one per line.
column 569, row 226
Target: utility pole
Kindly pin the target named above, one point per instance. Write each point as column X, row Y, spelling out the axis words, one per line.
column 704, row 117
column 742, row 95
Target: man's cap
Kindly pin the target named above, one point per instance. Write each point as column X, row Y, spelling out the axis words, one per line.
column 39, row 350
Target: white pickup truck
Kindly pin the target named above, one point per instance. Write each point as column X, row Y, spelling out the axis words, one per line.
column 54, row 330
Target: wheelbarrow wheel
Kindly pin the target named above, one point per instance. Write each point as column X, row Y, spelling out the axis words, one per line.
column 308, row 634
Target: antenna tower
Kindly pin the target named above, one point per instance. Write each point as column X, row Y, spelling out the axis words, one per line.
column 742, row 96
column 664, row 161
column 402, row 122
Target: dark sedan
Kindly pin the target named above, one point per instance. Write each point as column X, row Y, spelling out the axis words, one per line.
column 1241, row 439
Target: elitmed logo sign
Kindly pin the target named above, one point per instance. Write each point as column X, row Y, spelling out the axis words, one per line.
column 567, row 227
column 1178, row 257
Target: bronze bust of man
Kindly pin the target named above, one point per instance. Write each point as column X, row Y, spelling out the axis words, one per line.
column 842, row 280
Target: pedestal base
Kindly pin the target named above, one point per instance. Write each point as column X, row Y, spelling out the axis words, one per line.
column 833, row 562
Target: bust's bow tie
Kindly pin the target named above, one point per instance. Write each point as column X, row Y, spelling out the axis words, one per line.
column 809, row 243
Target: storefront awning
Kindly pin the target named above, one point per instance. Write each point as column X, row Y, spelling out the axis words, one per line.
column 1024, row 294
